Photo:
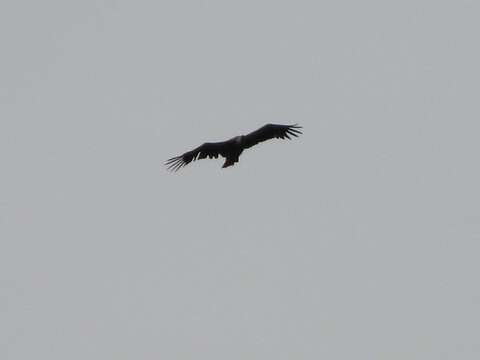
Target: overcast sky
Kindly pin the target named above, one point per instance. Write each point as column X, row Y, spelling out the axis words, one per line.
column 359, row 240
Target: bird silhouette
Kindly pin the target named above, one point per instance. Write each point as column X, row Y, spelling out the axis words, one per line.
column 233, row 148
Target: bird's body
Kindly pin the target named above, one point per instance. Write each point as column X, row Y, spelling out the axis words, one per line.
column 233, row 148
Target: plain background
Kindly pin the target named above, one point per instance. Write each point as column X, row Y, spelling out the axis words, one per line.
column 359, row 240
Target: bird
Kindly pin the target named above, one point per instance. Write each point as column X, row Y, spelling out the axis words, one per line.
column 233, row 148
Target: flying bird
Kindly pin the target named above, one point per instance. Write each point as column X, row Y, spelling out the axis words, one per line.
column 231, row 149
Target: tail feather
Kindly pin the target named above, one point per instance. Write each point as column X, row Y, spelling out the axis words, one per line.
column 230, row 162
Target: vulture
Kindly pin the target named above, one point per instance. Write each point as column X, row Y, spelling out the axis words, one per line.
column 231, row 149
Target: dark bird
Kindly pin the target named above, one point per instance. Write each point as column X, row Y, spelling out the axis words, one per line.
column 231, row 149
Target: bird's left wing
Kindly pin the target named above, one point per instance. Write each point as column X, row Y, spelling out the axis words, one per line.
column 271, row 131
column 210, row 150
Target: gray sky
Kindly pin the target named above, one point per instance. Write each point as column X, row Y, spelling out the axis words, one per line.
column 360, row 240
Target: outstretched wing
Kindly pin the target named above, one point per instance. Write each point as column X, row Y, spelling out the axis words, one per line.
column 210, row 150
column 271, row 131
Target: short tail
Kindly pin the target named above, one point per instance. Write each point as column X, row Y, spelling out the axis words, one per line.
column 230, row 162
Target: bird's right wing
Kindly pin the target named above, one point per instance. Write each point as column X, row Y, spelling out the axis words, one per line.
column 210, row 150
